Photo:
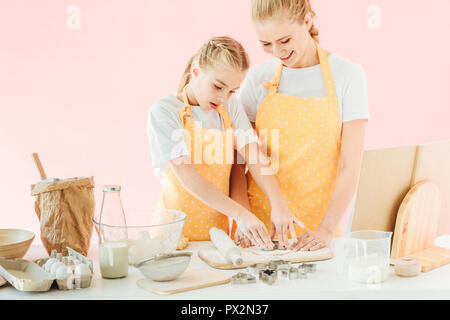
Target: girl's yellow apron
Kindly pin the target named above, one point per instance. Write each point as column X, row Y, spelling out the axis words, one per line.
column 210, row 151
column 306, row 149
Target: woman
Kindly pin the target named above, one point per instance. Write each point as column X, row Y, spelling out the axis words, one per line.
column 316, row 104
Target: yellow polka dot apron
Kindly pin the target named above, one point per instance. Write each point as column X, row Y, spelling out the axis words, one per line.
column 212, row 154
column 303, row 145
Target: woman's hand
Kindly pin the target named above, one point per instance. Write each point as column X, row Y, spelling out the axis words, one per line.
column 282, row 221
column 241, row 240
column 313, row 240
column 254, row 229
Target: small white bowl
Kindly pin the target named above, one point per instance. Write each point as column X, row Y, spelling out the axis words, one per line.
column 165, row 267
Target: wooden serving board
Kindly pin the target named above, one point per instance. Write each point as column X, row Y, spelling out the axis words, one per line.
column 189, row 280
column 215, row 259
column 2, row 281
column 433, row 164
column 417, row 226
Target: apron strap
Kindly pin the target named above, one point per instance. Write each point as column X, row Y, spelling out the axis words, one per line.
column 187, row 110
column 326, row 71
column 326, row 74
column 273, row 85
column 228, row 124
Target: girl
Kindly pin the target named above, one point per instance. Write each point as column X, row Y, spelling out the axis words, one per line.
column 192, row 137
column 317, row 102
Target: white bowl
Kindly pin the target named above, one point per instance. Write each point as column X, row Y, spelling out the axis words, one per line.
column 165, row 267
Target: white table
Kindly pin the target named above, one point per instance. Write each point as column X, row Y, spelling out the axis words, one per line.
column 325, row 283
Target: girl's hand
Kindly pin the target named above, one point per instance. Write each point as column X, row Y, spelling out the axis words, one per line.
column 241, row 240
column 254, row 229
column 313, row 240
column 282, row 221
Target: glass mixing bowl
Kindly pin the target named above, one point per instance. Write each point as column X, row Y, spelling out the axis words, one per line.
column 160, row 237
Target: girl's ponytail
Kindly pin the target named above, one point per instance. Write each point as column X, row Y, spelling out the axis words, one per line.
column 186, row 75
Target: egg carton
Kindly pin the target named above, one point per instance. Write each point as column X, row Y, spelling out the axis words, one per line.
column 78, row 271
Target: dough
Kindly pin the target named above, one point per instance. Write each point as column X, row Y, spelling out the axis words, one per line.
column 262, row 252
column 276, row 252
column 213, row 257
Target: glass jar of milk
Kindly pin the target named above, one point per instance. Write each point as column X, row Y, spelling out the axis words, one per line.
column 113, row 237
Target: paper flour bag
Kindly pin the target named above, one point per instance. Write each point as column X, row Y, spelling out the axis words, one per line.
column 65, row 209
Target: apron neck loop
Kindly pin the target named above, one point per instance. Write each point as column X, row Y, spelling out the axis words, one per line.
column 324, row 65
column 228, row 124
column 186, row 111
column 326, row 71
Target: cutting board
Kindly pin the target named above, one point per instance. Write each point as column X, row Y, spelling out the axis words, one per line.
column 189, row 280
column 384, row 180
column 433, row 164
column 215, row 259
column 2, row 281
column 388, row 174
column 417, row 226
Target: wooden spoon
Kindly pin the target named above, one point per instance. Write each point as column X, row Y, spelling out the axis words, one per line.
column 38, row 164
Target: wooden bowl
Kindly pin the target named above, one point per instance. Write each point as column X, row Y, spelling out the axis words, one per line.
column 14, row 243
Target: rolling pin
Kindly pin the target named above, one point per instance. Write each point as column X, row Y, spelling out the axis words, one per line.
column 226, row 246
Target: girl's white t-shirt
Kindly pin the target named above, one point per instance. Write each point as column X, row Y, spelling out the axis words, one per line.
column 349, row 79
column 165, row 129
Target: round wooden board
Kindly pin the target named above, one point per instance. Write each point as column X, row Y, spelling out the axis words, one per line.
column 2, row 281
column 417, row 220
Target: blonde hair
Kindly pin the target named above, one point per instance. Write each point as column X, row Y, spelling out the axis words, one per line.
column 215, row 51
column 297, row 10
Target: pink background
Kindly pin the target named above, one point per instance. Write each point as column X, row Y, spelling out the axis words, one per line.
column 80, row 98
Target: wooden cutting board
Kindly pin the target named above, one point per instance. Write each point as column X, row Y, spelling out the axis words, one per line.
column 215, row 259
column 417, row 226
column 2, row 281
column 388, row 174
column 189, row 280
column 384, row 181
column 433, row 164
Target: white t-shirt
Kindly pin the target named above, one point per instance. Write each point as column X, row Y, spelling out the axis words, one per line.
column 165, row 129
column 349, row 79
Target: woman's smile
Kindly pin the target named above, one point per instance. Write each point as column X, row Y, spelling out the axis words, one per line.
column 286, row 58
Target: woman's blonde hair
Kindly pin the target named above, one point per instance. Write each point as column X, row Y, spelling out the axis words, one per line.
column 297, row 10
column 216, row 51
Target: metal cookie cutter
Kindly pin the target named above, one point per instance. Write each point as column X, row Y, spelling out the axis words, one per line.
column 268, row 276
column 297, row 273
column 281, row 267
column 308, row 267
column 255, row 269
column 242, row 278
column 279, row 264
column 293, row 273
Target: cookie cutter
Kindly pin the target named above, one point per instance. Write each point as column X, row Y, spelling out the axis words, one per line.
column 279, row 264
column 255, row 269
column 268, row 276
column 283, row 273
column 308, row 267
column 243, row 278
column 297, row 273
